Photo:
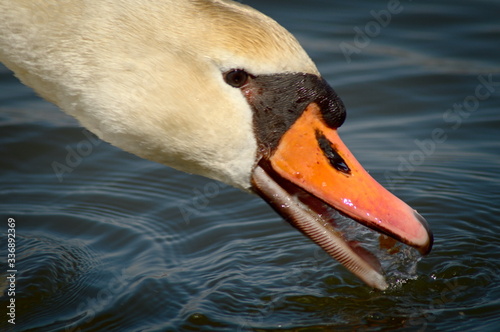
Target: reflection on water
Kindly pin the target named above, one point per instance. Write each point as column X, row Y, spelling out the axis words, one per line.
column 116, row 243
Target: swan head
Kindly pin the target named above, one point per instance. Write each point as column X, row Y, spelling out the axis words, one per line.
column 217, row 89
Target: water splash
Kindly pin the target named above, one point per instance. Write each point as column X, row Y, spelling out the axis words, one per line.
column 398, row 261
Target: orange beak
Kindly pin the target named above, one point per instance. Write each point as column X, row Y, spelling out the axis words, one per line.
column 311, row 158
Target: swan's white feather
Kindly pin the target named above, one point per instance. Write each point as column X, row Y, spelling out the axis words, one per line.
column 146, row 75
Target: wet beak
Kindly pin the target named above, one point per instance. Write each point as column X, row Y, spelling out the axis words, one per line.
column 311, row 166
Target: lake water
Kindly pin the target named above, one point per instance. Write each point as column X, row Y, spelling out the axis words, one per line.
column 118, row 243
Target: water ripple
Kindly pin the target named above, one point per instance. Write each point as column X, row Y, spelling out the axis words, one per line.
column 123, row 244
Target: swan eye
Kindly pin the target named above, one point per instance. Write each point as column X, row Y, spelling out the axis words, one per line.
column 236, row 77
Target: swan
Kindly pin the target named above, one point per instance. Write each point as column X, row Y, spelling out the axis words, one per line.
column 209, row 87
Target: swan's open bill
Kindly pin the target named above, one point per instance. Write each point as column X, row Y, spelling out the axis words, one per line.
column 310, row 167
column 214, row 88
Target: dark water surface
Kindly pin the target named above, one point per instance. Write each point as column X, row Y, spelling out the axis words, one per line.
column 117, row 243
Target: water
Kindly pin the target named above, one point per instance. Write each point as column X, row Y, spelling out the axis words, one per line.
column 123, row 244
